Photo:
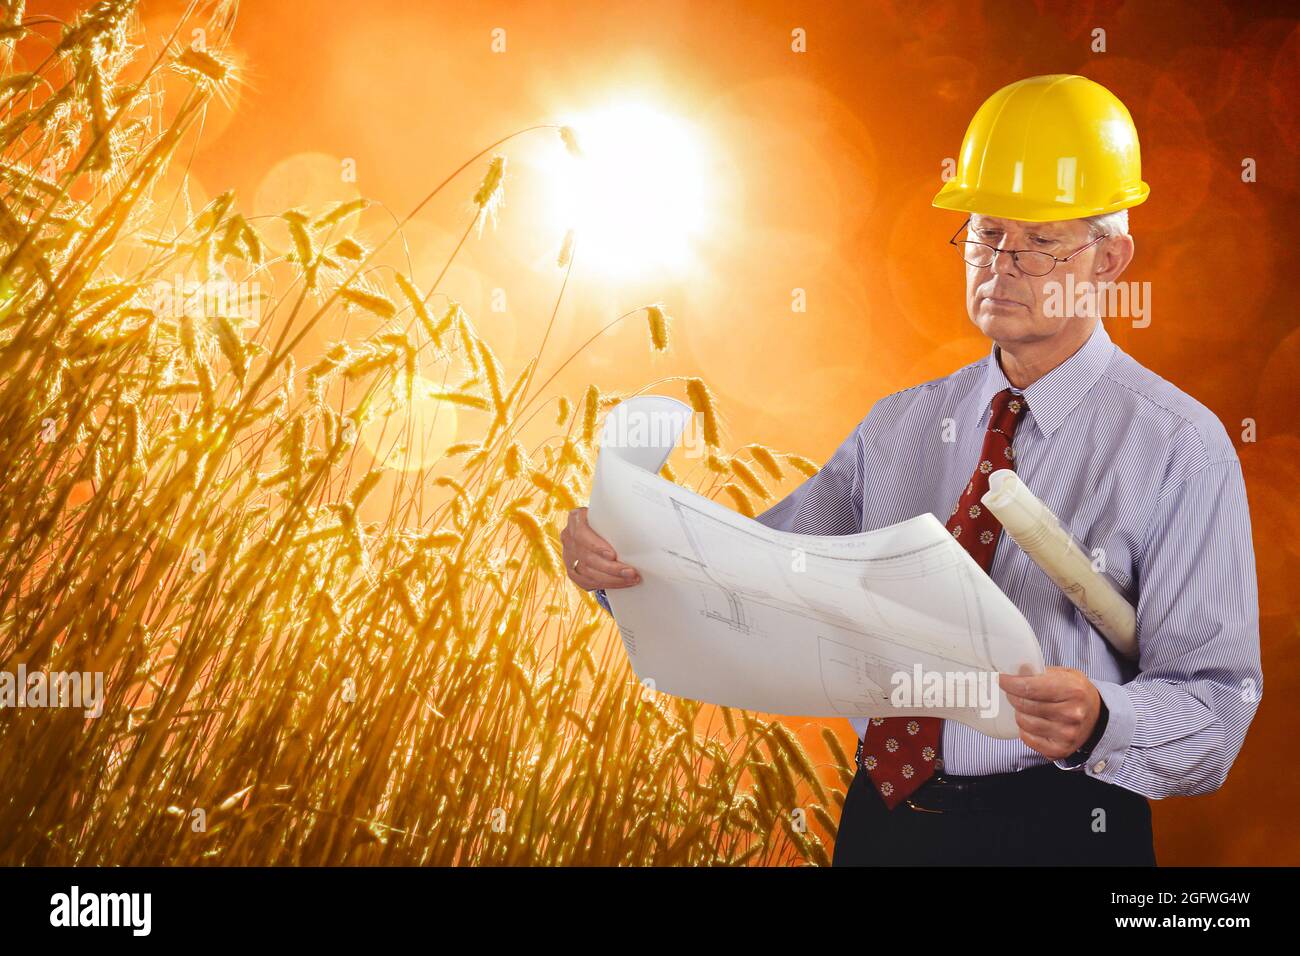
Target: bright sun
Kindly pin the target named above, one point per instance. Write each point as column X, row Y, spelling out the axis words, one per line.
column 637, row 195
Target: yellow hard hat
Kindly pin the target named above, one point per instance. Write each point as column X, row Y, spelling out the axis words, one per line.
column 1045, row 149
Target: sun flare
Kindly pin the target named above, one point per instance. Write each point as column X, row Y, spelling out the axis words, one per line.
column 637, row 195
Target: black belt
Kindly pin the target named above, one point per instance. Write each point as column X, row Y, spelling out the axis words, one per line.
column 1024, row 789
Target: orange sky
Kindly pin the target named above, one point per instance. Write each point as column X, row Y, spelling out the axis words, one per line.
column 825, row 165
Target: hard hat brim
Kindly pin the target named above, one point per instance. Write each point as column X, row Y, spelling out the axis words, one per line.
column 960, row 199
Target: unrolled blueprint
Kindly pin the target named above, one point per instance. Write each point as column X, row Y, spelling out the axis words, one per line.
column 732, row 612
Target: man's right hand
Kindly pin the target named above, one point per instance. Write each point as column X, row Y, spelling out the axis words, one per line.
column 598, row 564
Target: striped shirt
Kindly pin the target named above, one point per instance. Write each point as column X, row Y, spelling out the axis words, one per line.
column 1130, row 465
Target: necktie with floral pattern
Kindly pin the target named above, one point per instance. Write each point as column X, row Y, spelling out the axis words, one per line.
column 901, row 753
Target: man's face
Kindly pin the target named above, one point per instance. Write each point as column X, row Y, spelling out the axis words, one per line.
column 1005, row 303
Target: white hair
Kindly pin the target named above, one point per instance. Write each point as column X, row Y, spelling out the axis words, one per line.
column 1109, row 224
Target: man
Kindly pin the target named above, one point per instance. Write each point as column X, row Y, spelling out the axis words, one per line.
column 1144, row 477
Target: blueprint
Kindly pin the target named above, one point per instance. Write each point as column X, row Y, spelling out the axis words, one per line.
column 732, row 612
column 1049, row 544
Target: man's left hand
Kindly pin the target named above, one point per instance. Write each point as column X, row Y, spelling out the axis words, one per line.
column 1055, row 710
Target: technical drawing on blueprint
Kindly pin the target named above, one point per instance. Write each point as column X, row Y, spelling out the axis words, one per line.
column 732, row 612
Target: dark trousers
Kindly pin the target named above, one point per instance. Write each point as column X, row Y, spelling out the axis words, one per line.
column 1045, row 816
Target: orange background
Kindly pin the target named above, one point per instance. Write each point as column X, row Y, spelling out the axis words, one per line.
column 823, row 167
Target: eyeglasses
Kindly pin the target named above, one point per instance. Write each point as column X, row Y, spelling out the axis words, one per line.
column 1029, row 261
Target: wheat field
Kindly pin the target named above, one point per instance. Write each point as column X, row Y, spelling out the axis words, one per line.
column 310, row 657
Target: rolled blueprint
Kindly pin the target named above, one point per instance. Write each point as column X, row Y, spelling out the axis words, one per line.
column 1040, row 535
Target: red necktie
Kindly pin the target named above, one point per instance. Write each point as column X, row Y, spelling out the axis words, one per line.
column 901, row 753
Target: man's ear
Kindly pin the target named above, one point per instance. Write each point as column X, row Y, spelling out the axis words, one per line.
column 1116, row 253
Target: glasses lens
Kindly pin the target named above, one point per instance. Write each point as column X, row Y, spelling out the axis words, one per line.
column 975, row 253
column 1035, row 263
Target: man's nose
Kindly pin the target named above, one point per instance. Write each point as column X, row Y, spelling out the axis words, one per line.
column 1004, row 263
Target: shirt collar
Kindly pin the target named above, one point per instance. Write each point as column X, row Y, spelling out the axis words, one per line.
column 1052, row 397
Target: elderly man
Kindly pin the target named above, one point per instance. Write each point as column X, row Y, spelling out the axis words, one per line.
column 1144, row 476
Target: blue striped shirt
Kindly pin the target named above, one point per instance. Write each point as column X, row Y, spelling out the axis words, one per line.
column 1130, row 465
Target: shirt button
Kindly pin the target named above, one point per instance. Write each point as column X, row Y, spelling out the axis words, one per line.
column 1099, row 766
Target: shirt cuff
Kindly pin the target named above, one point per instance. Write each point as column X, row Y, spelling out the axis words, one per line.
column 1108, row 756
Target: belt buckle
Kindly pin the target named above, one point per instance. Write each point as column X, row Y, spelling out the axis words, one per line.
column 938, row 778
column 909, row 802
